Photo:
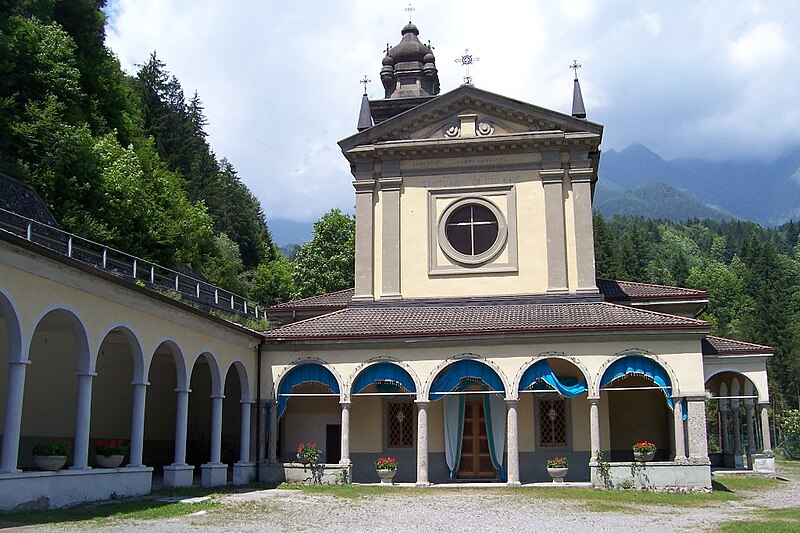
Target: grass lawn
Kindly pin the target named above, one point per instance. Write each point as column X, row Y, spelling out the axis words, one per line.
column 767, row 521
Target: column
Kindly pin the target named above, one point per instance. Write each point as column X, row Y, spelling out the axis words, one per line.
column 680, row 448
column 594, row 428
column 581, row 179
column 698, row 444
column 390, row 234
column 244, row 438
column 737, row 435
column 364, row 277
column 723, row 426
column 273, row 433
column 83, row 421
column 552, row 180
column 216, row 428
column 767, row 438
column 513, row 443
column 751, row 434
column 345, row 459
column 422, row 443
column 181, row 425
column 13, row 418
column 137, row 424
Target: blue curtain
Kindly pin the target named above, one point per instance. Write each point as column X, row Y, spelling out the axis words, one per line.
column 640, row 366
column 311, row 372
column 389, row 376
column 494, row 410
column 466, row 369
column 540, row 376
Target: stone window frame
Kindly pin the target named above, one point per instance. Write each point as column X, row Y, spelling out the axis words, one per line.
column 538, row 422
column 482, row 263
column 386, row 444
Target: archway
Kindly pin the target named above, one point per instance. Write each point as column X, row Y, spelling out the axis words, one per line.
column 383, row 420
column 474, row 414
column 309, row 411
column 236, row 393
column 637, row 392
column 554, row 414
column 201, row 440
column 59, row 352
column 167, row 373
column 112, row 390
column 10, row 393
column 733, row 431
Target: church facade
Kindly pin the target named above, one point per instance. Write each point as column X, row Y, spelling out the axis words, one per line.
column 477, row 342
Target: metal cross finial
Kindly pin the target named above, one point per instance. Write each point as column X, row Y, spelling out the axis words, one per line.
column 575, row 66
column 410, row 10
column 365, row 81
column 387, row 49
column 466, row 60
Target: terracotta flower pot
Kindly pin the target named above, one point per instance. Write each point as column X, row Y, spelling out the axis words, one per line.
column 49, row 462
column 386, row 476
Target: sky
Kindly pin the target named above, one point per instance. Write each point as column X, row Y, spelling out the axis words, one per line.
column 280, row 80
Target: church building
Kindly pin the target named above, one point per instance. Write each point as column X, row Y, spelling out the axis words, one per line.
column 477, row 342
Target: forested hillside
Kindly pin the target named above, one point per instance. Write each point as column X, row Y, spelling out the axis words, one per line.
column 751, row 274
column 120, row 159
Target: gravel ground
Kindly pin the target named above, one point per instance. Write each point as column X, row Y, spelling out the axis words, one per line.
column 447, row 510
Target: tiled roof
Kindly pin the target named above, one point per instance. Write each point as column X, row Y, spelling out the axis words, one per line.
column 436, row 321
column 21, row 198
column 615, row 290
column 336, row 300
column 718, row 345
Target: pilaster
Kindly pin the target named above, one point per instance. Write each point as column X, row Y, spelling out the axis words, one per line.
column 390, row 233
column 553, row 182
column 365, row 239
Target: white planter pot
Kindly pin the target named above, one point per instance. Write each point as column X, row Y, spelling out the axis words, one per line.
column 386, row 476
column 643, row 456
column 558, row 474
column 49, row 462
column 112, row 461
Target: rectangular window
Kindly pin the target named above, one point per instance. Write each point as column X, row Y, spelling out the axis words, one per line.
column 553, row 422
column 400, row 424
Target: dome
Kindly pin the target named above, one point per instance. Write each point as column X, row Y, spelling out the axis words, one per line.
column 409, row 48
column 387, row 61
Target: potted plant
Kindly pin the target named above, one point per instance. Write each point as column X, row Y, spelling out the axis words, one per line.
column 50, row 455
column 386, row 467
column 308, row 453
column 557, row 468
column 109, row 453
column 644, row 451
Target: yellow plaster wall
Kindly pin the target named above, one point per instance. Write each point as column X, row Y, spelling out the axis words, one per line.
column 3, row 370
column 112, row 393
column 366, row 424
column 526, row 424
column 305, row 420
column 569, row 228
column 161, row 401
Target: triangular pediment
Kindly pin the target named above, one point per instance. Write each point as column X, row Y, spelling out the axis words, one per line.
column 494, row 115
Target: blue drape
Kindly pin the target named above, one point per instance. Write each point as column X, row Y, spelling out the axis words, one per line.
column 640, row 366
column 466, row 369
column 540, row 372
column 305, row 374
column 390, row 378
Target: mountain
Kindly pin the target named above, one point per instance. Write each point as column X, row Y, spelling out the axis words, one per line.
column 285, row 232
column 654, row 200
column 764, row 192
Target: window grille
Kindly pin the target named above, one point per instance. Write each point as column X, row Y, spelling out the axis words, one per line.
column 553, row 422
column 401, row 424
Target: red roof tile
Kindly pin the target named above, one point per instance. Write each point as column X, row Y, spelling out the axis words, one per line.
column 615, row 290
column 433, row 321
column 720, row 346
column 337, row 300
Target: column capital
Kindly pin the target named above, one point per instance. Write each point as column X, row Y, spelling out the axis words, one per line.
column 364, row 186
column 140, row 383
column 86, row 373
column 345, row 404
column 217, row 396
column 552, row 176
column 594, row 399
column 19, row 361
column 422, row 403
column 179, row 390
column 512, row 402
column 763, row 405
column 249, row 402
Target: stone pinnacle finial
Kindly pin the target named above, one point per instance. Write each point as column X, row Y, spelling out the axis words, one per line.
column 578, row 109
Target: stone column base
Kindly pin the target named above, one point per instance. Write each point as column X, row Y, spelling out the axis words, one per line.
column 764, row 465
column 214, row 474
column 178, row 475
column 244, row 473
column 513, row 484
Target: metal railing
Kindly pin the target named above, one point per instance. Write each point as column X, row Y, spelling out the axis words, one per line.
column 127, row 266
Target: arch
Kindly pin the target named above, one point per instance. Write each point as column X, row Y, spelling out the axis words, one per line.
column 134, row 343
column 675, row 386
column 310, row 370
column 747, row 380
column 243, row 381
column 382, row 370
column 213, row 368
column 78, row 329
column 466, row 368
column 13, row 328
column 637, row 364
column 177, row 357
column 543, row 358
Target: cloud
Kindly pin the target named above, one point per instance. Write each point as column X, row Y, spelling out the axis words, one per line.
column 280, row 80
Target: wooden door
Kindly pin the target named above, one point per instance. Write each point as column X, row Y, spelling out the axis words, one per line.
column 476, row 460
